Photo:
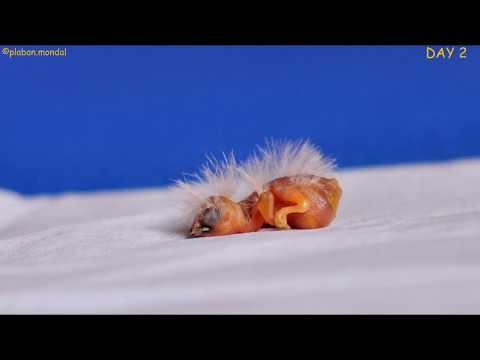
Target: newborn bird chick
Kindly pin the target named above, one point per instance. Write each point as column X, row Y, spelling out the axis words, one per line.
column 299, row 202
column 288, row 186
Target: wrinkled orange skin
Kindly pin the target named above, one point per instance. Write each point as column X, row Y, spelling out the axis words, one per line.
column 301, row 202
column 305, row 206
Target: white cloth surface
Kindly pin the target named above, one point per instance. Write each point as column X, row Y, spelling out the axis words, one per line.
column 406, row 240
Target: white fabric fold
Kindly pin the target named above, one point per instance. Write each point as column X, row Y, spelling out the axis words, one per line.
column 406, row 240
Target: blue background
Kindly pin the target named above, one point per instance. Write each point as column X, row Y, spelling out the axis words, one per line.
column 107, row 117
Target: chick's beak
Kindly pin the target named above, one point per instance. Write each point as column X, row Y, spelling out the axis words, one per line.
column 197, row 231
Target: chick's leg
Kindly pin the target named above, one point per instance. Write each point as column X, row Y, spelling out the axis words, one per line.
column 266, row 207
column 292, row 196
